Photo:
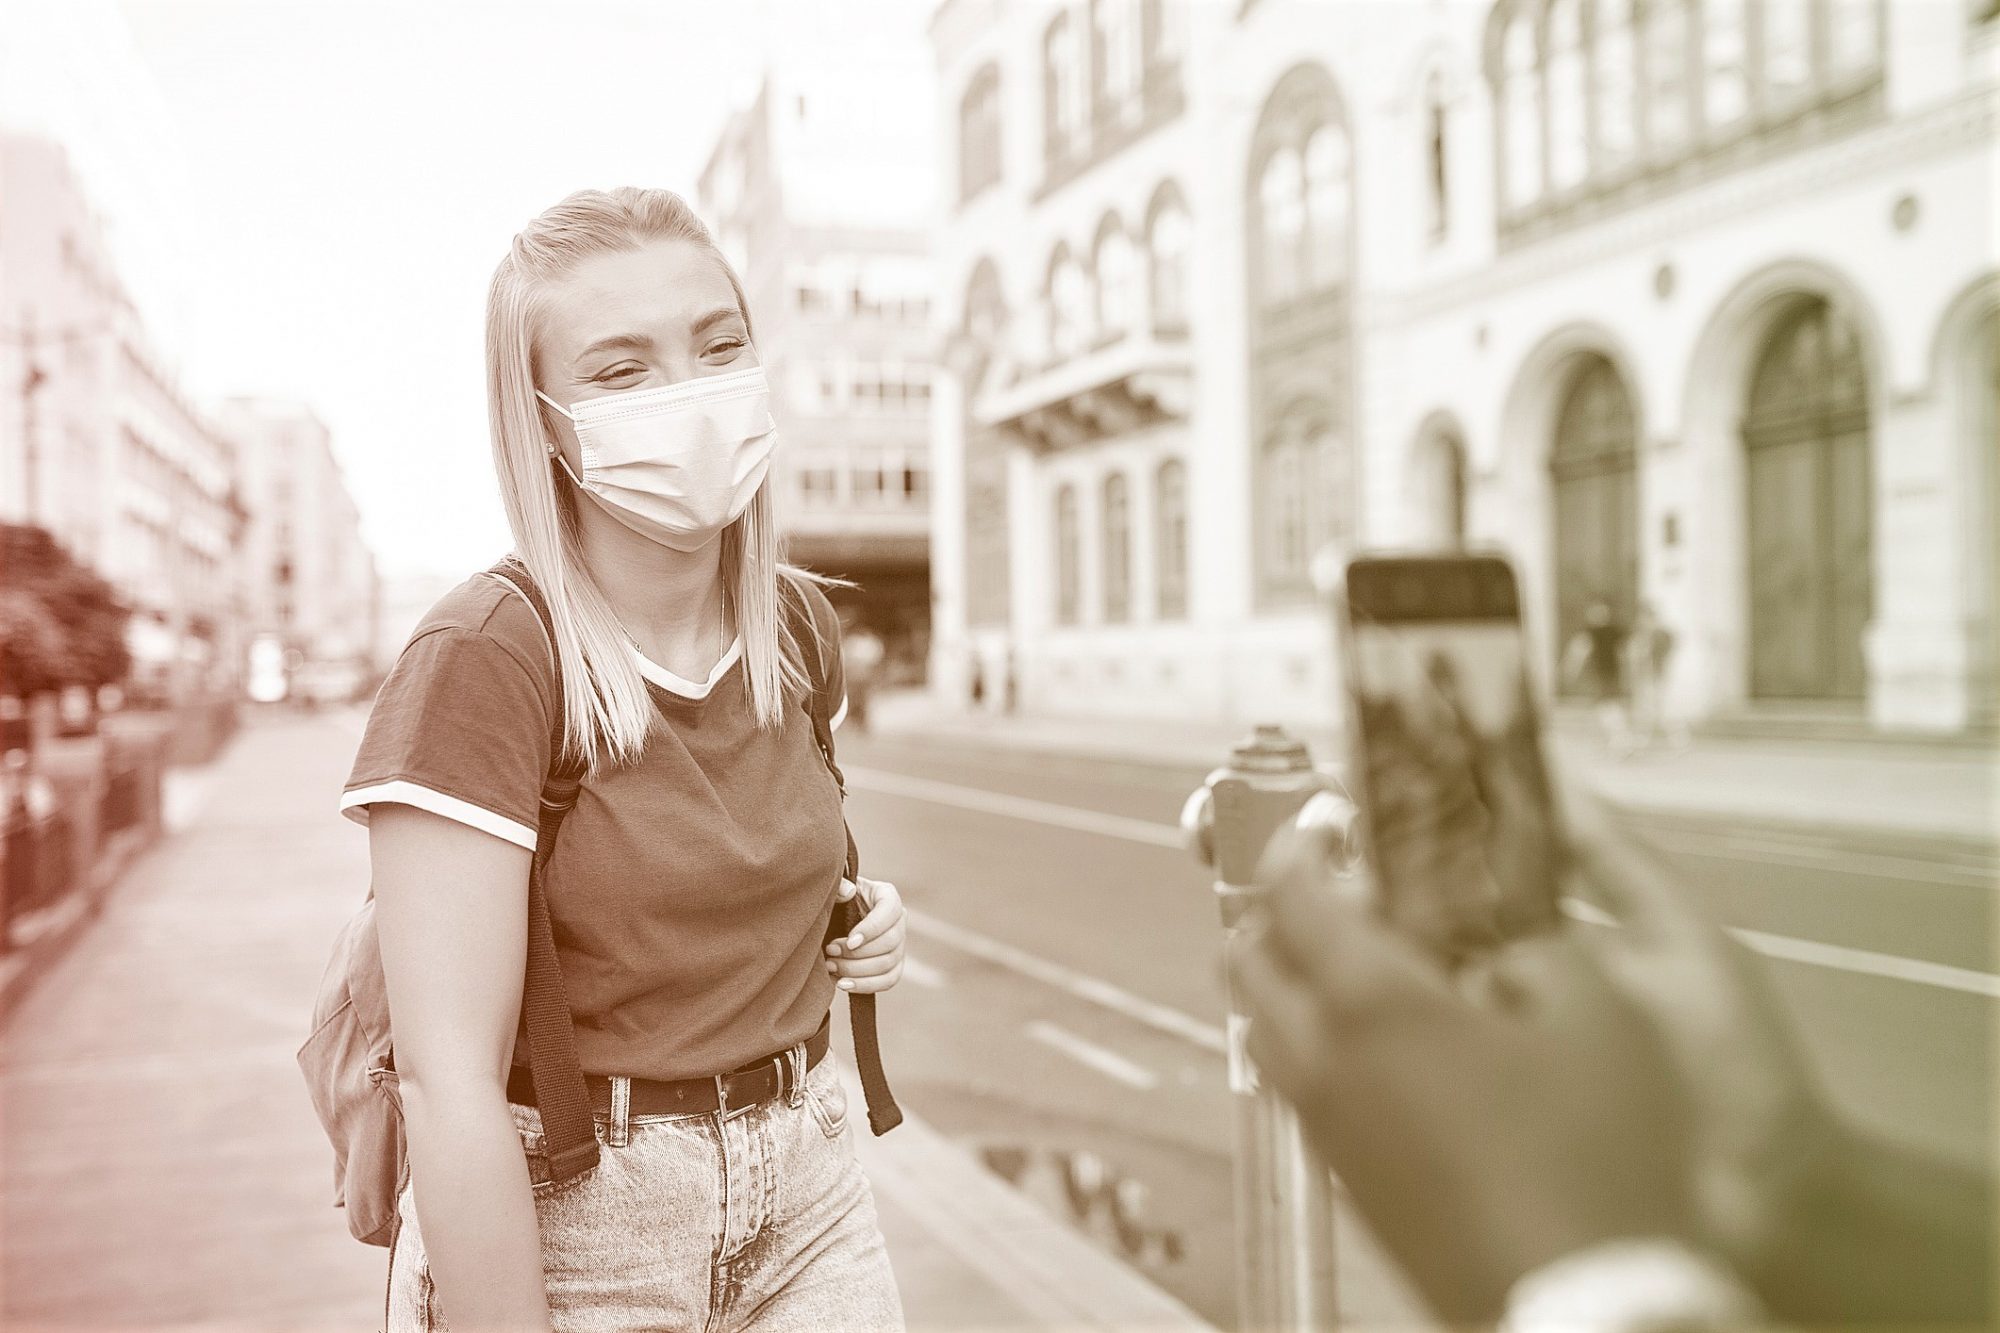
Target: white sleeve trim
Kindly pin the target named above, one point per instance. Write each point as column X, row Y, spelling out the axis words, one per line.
column 839, row 715
column 354, row 805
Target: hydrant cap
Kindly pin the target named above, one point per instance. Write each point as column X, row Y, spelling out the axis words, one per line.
column 1269, row 750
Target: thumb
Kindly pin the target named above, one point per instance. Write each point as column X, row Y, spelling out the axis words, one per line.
column 846, row 890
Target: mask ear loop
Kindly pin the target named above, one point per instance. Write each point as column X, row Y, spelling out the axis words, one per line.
column 550, row 445
column 563, row 463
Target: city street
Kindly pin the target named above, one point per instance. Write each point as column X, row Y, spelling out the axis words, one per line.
column 1066, row 999
column 1059, row 1028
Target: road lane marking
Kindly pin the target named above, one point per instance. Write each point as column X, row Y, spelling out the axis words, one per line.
column 1810, row 952
column 1108, row 1063
column 1015, row 807
column 1869, row 963
column 919, row 973
column 1093, row 990
column 1839, row 957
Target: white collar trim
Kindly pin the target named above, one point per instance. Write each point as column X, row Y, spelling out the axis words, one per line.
column 681, row 685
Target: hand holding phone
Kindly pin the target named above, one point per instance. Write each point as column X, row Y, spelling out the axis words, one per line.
column 1458, row 821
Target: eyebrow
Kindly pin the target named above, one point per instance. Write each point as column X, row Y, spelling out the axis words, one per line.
column 637, row 342
column 716, row 316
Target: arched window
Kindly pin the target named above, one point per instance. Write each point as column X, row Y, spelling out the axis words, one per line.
column 1069, row 558
column 1787, row 49
column 1063, row 108
column 1437, row 174
column 1301, row 323
column 1522, row 113
column 1281, row 199
column 1116, row 64
column 1117, row 549
column 1170, row 541
column 1068, row 305
column 1725, row 64
column 1328, row 183
column 979, row 133
column 1614, row 84
column 1330, row 512
column 1116, row 266
column 1569, row 133
column 1665, row 55
column 1169, row 238
column 1853, row 37
column 1288, row 491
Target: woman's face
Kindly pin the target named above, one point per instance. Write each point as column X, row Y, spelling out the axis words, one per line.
column 637, row 319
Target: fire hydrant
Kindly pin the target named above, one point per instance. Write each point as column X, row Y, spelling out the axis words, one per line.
column 1269, row 790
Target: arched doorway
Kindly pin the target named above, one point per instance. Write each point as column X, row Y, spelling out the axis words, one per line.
column 1805, row 438
column 1594, row 471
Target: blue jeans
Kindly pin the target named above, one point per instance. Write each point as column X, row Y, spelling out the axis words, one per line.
column 762, row 1222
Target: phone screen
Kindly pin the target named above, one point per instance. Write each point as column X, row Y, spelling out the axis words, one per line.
column 1459, row 821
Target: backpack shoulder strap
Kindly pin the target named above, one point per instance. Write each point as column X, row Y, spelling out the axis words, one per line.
column 563, row 1100
column 819, row 625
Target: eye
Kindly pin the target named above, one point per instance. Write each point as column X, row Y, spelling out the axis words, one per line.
column 617, row 374
column 724, row 347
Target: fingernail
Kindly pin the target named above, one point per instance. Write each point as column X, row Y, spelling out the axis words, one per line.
column 833, row 949
column 845, row 984
column 854, row 940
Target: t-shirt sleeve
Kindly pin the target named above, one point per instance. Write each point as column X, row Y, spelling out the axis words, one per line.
column 461, row 729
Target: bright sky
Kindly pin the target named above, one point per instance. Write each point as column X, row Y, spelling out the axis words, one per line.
column 354, row 171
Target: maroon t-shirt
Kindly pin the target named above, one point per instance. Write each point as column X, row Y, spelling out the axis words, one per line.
column 689, row 890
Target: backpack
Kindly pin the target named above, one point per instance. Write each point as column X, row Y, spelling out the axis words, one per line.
column 349, row 1060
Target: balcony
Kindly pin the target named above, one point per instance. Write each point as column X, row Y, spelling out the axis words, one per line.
column 1113, row 389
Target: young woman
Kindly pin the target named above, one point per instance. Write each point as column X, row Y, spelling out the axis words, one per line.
column 692, row 881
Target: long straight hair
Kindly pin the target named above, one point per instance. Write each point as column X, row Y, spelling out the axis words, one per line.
column 607, row 714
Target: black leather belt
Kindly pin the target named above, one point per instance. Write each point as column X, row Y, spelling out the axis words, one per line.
column 728, row 1093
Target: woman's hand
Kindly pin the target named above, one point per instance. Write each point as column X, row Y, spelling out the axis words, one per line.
column 870, row 957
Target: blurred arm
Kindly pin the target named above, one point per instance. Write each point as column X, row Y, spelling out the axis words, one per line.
column 451, row 910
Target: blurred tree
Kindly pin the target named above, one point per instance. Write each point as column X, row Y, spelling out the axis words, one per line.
column 60, row 623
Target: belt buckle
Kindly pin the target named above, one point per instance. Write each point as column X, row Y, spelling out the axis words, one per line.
column 723, row 1109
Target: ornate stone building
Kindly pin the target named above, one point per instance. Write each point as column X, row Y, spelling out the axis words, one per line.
column 1688, row 302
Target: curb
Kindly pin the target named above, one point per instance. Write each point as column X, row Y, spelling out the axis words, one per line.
column 1060, row 1279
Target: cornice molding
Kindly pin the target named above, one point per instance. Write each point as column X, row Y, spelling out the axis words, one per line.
column 1970, row 121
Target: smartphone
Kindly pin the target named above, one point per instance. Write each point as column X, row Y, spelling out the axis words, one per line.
column 1458, row 822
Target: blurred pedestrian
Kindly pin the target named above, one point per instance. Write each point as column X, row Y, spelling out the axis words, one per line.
column 1613, row 1130
column 861, row 654
column 693, row 880
column 1594, row 661
column 1648, row 652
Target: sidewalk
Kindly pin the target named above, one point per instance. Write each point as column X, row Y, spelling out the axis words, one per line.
column 1942, row 795
column 162, row 1168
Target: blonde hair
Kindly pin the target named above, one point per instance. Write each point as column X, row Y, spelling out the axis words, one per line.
column 607, row 714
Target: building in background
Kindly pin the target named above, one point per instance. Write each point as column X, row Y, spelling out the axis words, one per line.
column 98, row 443
column 1690, row 303
column 838, row 279
column 314, row 604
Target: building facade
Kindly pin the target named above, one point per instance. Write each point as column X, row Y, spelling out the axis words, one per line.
column 839, row 293
column 98, row 443
column 1686, row 302
column 314, row 597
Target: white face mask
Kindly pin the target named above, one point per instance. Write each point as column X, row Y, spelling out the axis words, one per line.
column 678, row 463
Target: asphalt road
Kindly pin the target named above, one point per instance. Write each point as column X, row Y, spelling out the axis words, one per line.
column 1064, row 1009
